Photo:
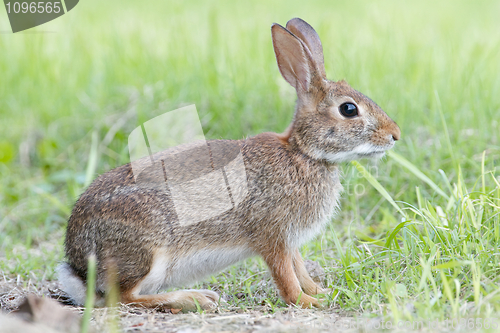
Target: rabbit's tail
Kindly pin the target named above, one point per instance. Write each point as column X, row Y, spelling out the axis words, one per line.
column 71, row 283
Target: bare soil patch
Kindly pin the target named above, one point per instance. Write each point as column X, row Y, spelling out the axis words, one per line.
column 131, row 319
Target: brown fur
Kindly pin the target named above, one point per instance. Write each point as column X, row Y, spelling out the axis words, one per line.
column 293, row 189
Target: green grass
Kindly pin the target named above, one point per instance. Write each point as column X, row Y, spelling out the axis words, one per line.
column 418, row 239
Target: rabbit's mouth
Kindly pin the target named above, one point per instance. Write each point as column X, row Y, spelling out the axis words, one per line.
column 375, row 154
column 366, row 150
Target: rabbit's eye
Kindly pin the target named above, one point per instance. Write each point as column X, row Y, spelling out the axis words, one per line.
column 348, row 110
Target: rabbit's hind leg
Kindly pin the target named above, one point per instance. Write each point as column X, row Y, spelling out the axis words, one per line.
column 180, row 299
column 143, row 291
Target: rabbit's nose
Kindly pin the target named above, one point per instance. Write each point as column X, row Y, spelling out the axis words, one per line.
column 395, row 132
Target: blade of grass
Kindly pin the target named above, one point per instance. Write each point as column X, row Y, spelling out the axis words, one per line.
column 448, row 293
column 419, row 174
column 483, row 173
column 92, row 162
column 394, row 233
column 369, row 177
column 445, row 127
column 90, row 300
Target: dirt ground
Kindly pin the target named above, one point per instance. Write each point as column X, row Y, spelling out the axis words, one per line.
column 224, row 319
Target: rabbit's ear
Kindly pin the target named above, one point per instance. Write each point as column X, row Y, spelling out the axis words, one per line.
column 308, row 35
column 295, row 61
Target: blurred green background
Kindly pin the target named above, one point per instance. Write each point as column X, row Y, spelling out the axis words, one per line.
column 73, row 89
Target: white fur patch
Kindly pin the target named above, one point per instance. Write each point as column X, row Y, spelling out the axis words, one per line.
column 156, row 277
column 326, row 212
column 167, row 272
column 71, row 284
column 363, row 150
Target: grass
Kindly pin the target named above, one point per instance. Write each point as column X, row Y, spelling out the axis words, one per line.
column 418, row 233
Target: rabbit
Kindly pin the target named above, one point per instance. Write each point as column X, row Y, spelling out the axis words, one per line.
column 292, row 190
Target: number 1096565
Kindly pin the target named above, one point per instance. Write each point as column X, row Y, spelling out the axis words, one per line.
column 33, row 7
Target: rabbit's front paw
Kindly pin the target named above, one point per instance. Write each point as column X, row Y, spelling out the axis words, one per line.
column 305, row 301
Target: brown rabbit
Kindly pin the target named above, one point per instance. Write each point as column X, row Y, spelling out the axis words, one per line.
column 291, row 191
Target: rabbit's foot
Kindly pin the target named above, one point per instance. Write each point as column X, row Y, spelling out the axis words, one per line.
column 206, row 299
column 185, row 300
column 305, row 301
column 324, row 291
